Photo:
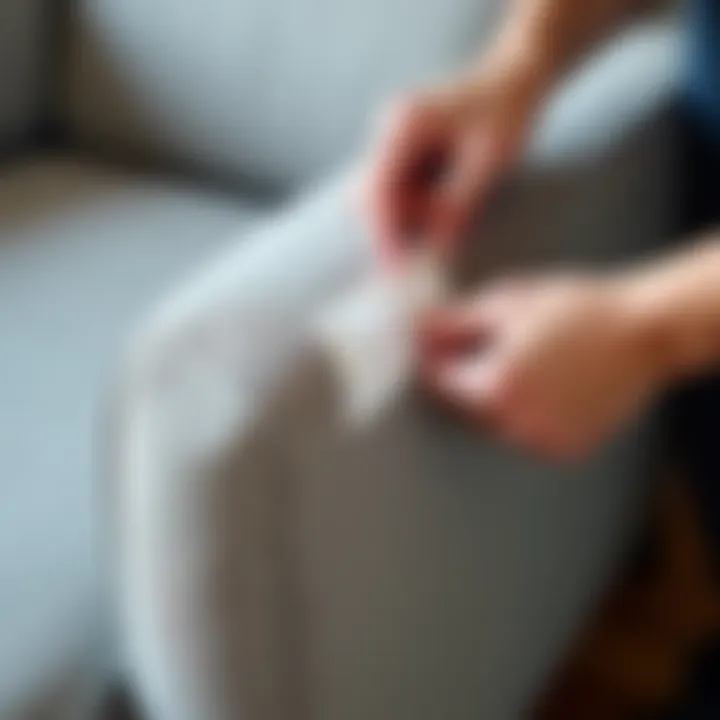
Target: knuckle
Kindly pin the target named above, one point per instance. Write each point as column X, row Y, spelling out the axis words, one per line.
column 506, row 388
column 403, row 114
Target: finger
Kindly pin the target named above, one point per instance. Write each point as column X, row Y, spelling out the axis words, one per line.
column 407, row 145
column 460, row 192
column 415, row 151
column 471, row 386
column 476, row 171
column 460, row 329
column 473, row 321
column 388, row 208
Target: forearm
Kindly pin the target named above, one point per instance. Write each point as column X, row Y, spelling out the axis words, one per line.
column 677, row 301
column 550, row 35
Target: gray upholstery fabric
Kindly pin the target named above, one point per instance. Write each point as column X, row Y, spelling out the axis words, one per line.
column 598, row 154
column 24, row 48
column 276, row 568
column 280, row 91
column 198, row 578
column 83, row 250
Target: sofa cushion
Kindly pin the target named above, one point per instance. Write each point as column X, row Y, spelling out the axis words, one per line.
column 21, row 66
column 277, row 90
column 83, row 249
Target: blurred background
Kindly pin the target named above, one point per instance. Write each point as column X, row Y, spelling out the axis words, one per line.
column 139, row 140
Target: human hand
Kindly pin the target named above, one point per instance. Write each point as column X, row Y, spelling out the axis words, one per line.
column 442, row 151
column 555, row 364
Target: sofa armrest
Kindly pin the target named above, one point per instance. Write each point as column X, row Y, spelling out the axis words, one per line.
column 598, row 182
column 273, row 566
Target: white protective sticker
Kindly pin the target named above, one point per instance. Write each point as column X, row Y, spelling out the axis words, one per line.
column 368, row 336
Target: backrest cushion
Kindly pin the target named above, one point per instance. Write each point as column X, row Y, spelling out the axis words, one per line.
column 21, row 65
column 279, row 91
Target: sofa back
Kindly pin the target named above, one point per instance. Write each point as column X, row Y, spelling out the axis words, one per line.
column 280, row 91
column 22, row 58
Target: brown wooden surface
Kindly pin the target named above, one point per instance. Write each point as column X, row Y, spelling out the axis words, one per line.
column 633, row 660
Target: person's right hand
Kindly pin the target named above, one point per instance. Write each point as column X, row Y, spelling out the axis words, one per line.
column 554, row 363
column 442, row 151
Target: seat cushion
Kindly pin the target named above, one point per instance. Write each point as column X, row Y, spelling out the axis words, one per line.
column 23, row 47
column 83, row 250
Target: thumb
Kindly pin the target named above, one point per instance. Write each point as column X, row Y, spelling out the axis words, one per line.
column 459, row 329
column 469, row 386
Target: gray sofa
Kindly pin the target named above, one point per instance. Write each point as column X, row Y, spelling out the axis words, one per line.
column 266, row 565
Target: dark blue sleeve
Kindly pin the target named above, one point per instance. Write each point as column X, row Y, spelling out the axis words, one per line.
column 703, row 67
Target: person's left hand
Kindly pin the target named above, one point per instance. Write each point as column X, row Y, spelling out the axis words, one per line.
column 554, row 364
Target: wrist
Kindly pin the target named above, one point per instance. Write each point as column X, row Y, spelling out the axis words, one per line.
column 533, row 47
column 672, row 338
column 514, row 66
